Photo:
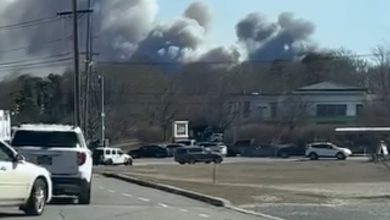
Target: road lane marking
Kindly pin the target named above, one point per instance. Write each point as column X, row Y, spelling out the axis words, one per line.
column 143, row 199
column 204, row 216
column 111, row 191
column 163, row 205
column 127, row 195
column 101, row 187
column 183, row 210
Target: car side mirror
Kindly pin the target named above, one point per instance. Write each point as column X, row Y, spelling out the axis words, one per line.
column 18, row 158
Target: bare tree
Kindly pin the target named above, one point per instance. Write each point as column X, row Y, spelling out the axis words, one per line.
column 293, row 112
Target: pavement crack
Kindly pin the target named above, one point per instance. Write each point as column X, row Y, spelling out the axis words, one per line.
column 61, row 214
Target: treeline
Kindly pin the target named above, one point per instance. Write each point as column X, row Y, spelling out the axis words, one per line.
column 143, row 99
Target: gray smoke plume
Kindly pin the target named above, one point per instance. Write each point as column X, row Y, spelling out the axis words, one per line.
column 255, row 27
column 221, row 55
column 199, row 12
column 127, row 30
column 286, row 39
column 119, row 24
column 173, row 41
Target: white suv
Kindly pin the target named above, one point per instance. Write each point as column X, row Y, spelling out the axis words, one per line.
column 316, row 150
column 111, row 156
column 63, row 151
column 21, row 183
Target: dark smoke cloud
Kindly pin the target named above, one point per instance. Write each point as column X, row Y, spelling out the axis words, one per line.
column 199, row 12
column 255, row 27
column 174, row 41
column 119, row 24
column 21, row 10
column 286, row 39
column 221, row 55
column 127, row 30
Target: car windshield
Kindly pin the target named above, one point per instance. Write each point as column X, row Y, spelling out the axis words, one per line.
column 44, row 139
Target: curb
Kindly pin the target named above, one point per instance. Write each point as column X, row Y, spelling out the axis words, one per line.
column 215, row 201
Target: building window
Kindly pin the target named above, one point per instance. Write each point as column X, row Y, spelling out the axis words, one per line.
column 359, row 109
column 247, row 109
column 331, row 110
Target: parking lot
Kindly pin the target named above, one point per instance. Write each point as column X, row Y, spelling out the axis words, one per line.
column 274, row 186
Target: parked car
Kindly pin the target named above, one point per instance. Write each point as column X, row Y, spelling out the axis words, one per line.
column 262, row 150
column 287, row 150
column 63, row 151
column 172, row 149
column 192, row 155
column 216, row 137
column 317, row 150
column 111, row 156
column 149, row 151
column 187, row 142
column 23, row 184
column 240, row 146
column 215, row 147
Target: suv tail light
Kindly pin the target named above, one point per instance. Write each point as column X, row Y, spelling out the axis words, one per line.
column 81, row 158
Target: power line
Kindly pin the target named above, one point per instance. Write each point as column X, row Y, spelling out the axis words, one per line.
column 30, row 65
column 46, row 43
column 53, row 64
column 29, row 23
column 34, row 59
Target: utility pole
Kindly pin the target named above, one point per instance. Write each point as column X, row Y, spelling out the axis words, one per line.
column 76, row 97
column 102, row 113
column 87, row 71
column 77, row 116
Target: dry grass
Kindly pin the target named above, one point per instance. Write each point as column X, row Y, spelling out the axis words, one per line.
column 245, row 183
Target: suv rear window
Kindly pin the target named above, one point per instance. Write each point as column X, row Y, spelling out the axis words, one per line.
column 195, row 150
column 45, row 139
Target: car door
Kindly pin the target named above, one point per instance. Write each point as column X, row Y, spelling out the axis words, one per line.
column 114, row 156
column 14, row 178
column 324, row 150
column 121, row 157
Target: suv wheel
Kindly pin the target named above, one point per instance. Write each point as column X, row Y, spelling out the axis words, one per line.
column 37, row 201
column 313, row 156
column 218, row 160
column 85, row 195
column 109, row 162
column 129, row 162
column 340, row 156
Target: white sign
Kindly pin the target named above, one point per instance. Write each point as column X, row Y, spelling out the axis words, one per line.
column 180, row 129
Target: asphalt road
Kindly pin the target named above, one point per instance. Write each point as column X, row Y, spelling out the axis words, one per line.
column 362, row 211
column 115, row 199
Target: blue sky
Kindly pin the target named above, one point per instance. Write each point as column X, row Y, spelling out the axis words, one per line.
column 358, row 25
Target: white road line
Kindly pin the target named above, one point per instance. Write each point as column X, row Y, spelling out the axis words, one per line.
column 204, row 216
column 143, row 199
column 183, row 210
column 127, row 195
column 101, row 187
column 111, row 191
column 163, row 205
